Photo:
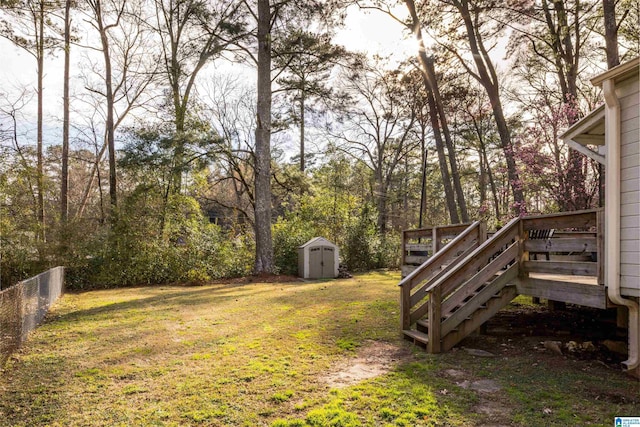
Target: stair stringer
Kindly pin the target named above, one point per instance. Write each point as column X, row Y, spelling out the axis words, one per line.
column 481, row 298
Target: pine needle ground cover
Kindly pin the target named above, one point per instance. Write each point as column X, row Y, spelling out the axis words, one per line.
column 262, row 354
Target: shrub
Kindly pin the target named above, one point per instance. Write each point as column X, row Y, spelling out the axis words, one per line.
column 288, row 236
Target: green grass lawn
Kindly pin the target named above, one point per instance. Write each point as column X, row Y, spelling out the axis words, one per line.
column 259, row 354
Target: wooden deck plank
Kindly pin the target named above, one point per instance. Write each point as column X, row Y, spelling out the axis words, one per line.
column 581, row 219
column 417, row 337
column 584, row 244
column 567, row 278
column 562, row 267
column 481, row 298
column 416, row 260
column 580, row 290
column 479, row 317
column 487, row 273
column 418, row 247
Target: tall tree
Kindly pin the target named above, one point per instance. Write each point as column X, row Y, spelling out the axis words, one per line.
column 427, row 116
column 26, row 24
column 103, row 27
column 379, row 129
column 192, row 33
column 305, row 61
column 131, row 63
column 264, row 243
column 559, row 33
column 439, row 121
column 463, row 28
column 268, row 17
column 64, row 178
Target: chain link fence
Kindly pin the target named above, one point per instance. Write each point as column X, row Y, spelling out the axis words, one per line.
column 24, row 305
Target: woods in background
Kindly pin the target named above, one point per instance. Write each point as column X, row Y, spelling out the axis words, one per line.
column 205, row 139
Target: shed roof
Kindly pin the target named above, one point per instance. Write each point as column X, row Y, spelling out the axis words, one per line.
column 318, row 241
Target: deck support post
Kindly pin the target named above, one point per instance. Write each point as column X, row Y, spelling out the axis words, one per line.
column 435, row 321
column 622, row 317
column 405, row 306
column 600, row 245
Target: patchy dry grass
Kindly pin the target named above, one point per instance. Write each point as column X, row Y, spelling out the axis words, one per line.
column 260, row 354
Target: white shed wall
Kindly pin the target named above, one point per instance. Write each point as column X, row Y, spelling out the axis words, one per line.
column 629, row 95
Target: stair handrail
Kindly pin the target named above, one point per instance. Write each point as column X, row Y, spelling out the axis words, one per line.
column 436, row 257
column 407, row 284
column 437, row 292
column 497, row 235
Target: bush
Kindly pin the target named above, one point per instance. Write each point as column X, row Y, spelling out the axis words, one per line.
column 288, row 236
column 361, row 243
column 189, row 249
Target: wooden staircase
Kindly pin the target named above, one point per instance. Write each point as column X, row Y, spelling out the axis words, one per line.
column 471, row 278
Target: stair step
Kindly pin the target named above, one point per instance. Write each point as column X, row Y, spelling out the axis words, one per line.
column 417, row 337
column 422, row 325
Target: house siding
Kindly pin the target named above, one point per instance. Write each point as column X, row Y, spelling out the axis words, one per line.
column 629, row 95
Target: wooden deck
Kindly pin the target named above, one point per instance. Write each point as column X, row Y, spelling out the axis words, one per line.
column 579, row 290
column 458, row 282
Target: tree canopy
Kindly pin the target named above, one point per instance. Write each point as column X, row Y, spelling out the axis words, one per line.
column 203, row 139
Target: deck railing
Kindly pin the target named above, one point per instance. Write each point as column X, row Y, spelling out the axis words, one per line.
column 470, row 266
column 576, row 248
column 420, row 244
column 414, row 285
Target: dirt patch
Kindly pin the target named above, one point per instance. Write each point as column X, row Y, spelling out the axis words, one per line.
column 575, row 333
column 491, row 405
column 373, row 359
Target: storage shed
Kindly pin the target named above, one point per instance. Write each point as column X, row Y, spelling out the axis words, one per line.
column 317, row 259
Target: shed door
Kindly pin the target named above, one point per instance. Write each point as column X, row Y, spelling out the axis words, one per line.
column 315, row 262
column 328, row 261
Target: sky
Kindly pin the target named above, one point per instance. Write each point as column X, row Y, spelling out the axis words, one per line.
column 375, row 32
column 367, row 31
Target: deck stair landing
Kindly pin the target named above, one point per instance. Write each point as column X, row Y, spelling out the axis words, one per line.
column 472, row 277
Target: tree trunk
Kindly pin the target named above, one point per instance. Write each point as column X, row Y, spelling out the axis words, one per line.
column 264, row 245
column 433, row 114
column 482, row 177
column 423, row 186
column 40, row 161
column 610, row 32
column 92, row 177
column 109, row 125
column 489, row 80
column 302, row 165
column 64, row 189
column 492, row 182
column 381, row 200
column 613, row 59
column 453, row 163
